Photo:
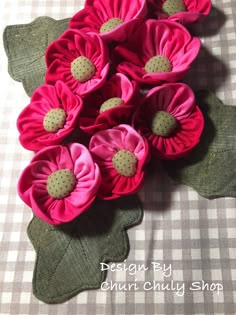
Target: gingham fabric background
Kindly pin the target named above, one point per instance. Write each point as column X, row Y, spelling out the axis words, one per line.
column 195, row 236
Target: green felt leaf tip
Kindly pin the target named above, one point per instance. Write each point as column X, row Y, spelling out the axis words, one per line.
column 25, row 47
column 210, row 168
column 69, row 256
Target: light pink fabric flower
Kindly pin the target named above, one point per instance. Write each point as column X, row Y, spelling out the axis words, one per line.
column 183, row 11
column 121, row 154
column 60, row 183
column 78, row 59
column 170, row 120
column 158, row 52
column 50, row 117
column 113, row 20
column 111, row 105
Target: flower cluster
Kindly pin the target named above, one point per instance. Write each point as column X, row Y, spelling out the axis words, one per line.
column 97, row 74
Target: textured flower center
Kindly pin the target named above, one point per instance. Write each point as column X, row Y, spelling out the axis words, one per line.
column 110, row 25
column 125, row 162
column 163, row 124
column 61, row 183
column 171, row 7
column 54, row 120
column 158, row 64
column 82, row 69
column 110, row 103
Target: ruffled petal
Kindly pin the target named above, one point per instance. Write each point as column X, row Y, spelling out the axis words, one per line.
column 32, row 186
column 178, row 100
column 104, row 145
column 91, row 120
column 98, row 12
column 87, row 20
column 35, row 173
column 196, row 11
column 33, row 135
column 166, row 38
column 74, row 44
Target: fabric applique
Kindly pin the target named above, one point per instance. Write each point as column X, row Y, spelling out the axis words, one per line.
column 114, row 103
column 80, row 188
column 157, row 61
column 170, row 120
column 113, row 21
column 51, row 116
column 209, row 169
column 121, row 154
column 60, row 183
column 80, row 60
column 69, row 255
column 25, row 47
column 183, row 11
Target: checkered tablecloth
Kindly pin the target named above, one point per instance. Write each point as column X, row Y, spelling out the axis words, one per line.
column 189, row 240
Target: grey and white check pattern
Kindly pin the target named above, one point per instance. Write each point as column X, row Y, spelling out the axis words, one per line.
column 197, row 237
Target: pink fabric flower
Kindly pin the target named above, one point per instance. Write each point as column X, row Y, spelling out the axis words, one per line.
column 185, row 12
column 158, row 52
column 121, row 154
column 113, row 20
column 78, row 59
column 60, row 183
column 109, row 106
column 50, row 117
column 170, row 120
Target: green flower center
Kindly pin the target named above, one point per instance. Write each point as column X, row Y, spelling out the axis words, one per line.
column 158, row 64
column 110, row 25
column 110, row 103
column 54, row 120
column 163, row 124
column 61, row 183
column 171, row 7
column 82, row 69
column 125, row 163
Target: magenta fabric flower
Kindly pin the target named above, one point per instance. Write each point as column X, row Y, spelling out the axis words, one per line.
column 158, row 52
column 183, row 11
column 170, row 120
column 50, row 117
column 109, row 106
column 121, row 154
column 60, row 183
column 78, row 59
column 113, row 20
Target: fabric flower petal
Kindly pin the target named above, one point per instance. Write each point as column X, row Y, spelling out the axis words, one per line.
column 165, row 55
column 80, row 60
column 112, row 20
column 109, row 106
column 75, row 162
column 195, row 11
column 53, row 105
column 170, row 120
column 130, row 149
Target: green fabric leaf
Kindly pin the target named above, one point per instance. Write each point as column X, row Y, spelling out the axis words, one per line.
column 25, row 47
column 210, row 168
column 69, row 256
